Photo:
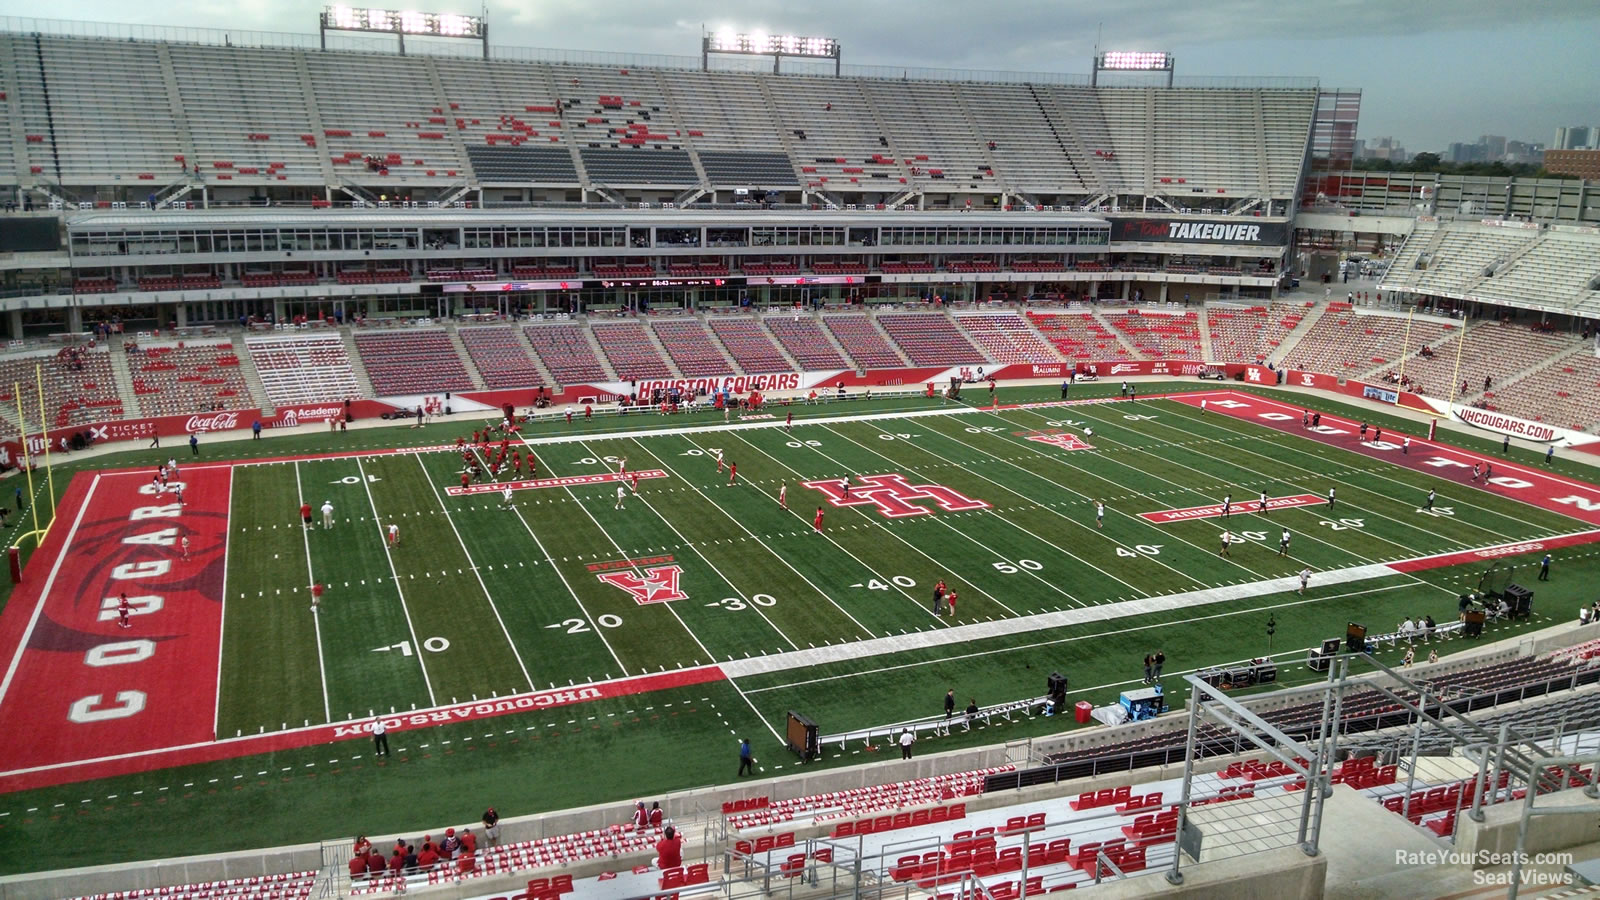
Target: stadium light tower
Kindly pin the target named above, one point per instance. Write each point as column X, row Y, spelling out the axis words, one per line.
column 1131, row 61
column 403, row 22
column 776, row 46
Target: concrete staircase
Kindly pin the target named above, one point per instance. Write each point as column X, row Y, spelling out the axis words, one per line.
column 357, row 367
column 538, row 364
column 465, row 357
column 727, row 355
column 122, row 377
column 252, row 377
column 1203, row 322
column 794, row 364
column 833, row 342
column 594, row 347
column 1309, row 318
column 650, row 334
column 988, row 360
column 1122, row 339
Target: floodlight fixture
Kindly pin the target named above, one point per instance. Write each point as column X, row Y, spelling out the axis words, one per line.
column 1132, row 61
column 403, row 22
column 777, row 46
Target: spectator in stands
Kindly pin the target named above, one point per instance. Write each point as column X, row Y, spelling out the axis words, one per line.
column 469, row 841
column 450, row 844
column 428, row 858
column 397, row 862
column 358, row 866
column 375, row 863
column 669, row 850
column 656, row 815
column 410, row 859
column 641, row 817
column 972, row 712
column 491, row 826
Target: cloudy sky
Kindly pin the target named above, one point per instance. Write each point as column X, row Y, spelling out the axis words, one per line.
column 1432, row 71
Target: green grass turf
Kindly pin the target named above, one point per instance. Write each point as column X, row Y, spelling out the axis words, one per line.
column 480, row 600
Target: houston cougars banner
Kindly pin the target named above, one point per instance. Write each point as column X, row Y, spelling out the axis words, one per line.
column 1133, row 367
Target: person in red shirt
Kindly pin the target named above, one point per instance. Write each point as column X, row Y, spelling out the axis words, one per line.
column 635, row 482
column 655, row 815
column 358, row 867
column 950, row 602
column 428, row 858
column 316, row 596
column 816, row 524
column 465, row 477
column 476, row 436
column 669, row 850
column 397, row 861
column 460, row 441
column 733, row 471
column 788, row 422
column 469, row 841
column 466, row 862
column 305, row 514
column 375, row 863
column 588, row 411
column 641, row 817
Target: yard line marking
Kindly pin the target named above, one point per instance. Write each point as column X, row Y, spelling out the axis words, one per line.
column 726, row 580
column 636, row 570
column 1181, row 489
column 763, row 543
column 410, row 626
column 227, row 535
column 978, row 631
column 1422, row 443
column 1011, row 490
column 38, row 609
column 991, row 514
column 316, row 616
column 503, row 630
column 829, row 538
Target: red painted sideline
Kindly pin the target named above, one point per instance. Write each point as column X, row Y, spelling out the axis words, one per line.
column 1535, row 487
column 81, row 682
column 1248, row 506
column 211, row 751
column 1440, row 560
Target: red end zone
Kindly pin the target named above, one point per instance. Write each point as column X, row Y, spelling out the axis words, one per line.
column 1533, row 486
column 76, row 683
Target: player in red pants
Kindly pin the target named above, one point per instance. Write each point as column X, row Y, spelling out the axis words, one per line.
column 733, row 471
column 816, row 524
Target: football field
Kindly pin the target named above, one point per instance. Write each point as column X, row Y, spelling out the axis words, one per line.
column 541, row 632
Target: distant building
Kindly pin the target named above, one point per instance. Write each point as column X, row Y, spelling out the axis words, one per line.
column 1577, row 137
column 1494, row 146
column 1583, row 163
column 1388, row 148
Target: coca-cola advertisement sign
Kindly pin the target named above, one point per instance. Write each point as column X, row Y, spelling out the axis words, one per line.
column 217, row 421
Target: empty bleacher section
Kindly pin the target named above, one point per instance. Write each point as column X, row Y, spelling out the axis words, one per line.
column 185, row 378
column 1491, row 350
column 78, row 387
column 1160, row 335
column 310, row 368
column 862, row 341
column 629, row 351
column 565, row 351
column 247, row 109
column 747, row 169
column 663, row 167
column 692, row 348
column 805, row 341
column 1565, row 393
column 377, row 116
column 285, row 886
column 126, row 111
column 930, row 339
column 503, row 164
column 499, row 356
column 108, row 113
column 1250, row 333
column 1346, row 344
column 417, row 361
column 751, row 347
column 1007, row 338
column 1079, row 336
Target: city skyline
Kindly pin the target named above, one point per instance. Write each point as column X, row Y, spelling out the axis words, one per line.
column 1425, row 68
